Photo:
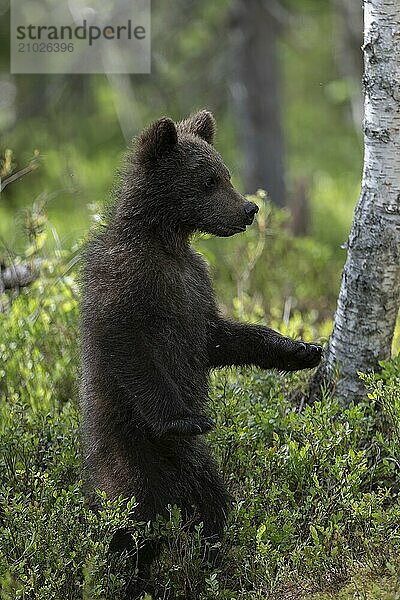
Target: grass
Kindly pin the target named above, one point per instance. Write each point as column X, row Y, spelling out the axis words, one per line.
column 366, row 586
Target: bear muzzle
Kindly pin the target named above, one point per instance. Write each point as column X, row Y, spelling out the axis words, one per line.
column 250, row 210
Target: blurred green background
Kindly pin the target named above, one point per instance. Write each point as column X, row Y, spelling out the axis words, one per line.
column 230, row 57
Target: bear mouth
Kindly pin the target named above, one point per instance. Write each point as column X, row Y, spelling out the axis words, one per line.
column 232, row 230
column 249, row 220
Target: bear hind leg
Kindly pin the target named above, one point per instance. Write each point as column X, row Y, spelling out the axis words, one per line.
column 212, row 501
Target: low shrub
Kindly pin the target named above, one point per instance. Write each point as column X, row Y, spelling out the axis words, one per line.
column 314, row 493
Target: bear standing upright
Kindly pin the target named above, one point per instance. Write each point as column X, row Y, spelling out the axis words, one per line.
column 151, row 329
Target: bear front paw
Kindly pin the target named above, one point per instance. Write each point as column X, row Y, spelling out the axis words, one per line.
column 193, row 425
column 303, row 356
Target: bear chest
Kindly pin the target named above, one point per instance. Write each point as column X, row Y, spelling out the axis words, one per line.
column 184, row 314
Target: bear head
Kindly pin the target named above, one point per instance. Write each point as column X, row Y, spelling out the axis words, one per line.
column 185, row 183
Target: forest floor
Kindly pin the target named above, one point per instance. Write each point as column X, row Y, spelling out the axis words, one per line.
column 316, row 493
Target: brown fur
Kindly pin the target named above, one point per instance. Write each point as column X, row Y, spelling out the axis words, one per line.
column 151, row 329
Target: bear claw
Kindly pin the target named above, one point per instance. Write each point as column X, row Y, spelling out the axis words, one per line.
column 193, row 425
column 305, row 356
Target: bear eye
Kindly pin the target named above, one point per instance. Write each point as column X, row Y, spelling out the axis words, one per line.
column 211, row 183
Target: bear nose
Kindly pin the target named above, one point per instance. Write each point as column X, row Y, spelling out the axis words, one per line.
column 250, row 209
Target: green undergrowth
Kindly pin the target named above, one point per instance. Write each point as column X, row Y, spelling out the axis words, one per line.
column 315, row 493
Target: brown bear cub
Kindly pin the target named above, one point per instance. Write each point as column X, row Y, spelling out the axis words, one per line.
column 151, row 329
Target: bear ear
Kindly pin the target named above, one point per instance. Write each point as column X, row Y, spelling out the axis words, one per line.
column 201, row 124
column 160, row 137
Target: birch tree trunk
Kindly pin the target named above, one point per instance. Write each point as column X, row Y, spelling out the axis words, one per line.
column 369, row 296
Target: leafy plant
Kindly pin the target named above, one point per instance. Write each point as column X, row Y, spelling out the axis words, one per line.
column 315, row 494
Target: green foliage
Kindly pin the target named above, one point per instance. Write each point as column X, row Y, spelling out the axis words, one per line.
column 314, row 493
column 365, row 587
column 79, row 123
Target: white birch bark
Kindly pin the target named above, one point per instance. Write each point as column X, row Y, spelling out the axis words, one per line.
column 369, row 296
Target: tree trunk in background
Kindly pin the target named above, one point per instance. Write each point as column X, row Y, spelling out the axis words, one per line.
column 369, row 297
column 299, row 206
column 348, row 52
column 256, row 97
